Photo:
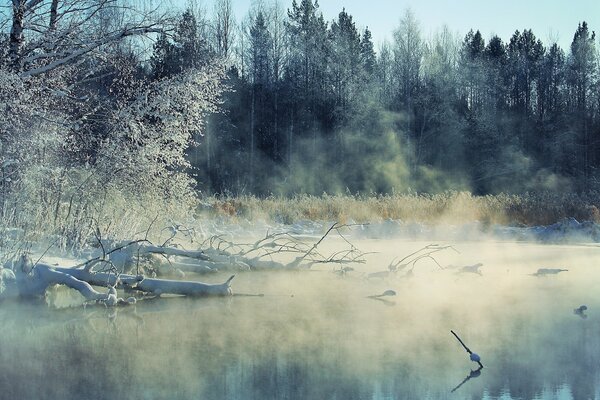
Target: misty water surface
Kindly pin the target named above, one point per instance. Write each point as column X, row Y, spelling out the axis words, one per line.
column 315, row 335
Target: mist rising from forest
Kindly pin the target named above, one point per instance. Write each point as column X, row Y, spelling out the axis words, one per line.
column 283, row 102
column 349, row 162
column 316, row 108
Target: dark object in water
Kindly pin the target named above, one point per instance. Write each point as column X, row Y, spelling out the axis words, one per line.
column 380, row 274
column 472, row 356
column 581, row 311
column 379, row 297
column 548, row 271
column 388, row 292
column 474, row 269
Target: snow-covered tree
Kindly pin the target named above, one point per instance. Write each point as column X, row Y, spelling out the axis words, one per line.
column 82, row 128
column 145, row 150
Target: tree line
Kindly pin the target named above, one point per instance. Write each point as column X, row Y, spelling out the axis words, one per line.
column 310, row 105
column 315, row 107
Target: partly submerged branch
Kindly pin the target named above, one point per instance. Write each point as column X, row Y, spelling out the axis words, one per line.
column 27, row 280
column 411, row 260
column 113, row 265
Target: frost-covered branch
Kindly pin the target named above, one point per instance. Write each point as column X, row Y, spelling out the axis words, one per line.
column 49, row 34
column 65, row 59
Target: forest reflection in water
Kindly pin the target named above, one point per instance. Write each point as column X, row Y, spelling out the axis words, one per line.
column 316, row 335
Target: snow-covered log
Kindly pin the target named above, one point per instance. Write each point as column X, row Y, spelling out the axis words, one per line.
column 150, row 285
column 29, row 280
column 109, row 269
column 186, row 288
column 32, row 280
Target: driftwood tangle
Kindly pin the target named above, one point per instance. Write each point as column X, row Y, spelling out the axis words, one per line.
column 127, row 265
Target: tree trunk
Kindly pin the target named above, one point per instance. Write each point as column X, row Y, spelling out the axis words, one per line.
column 53, row 14
column 150, row 285
column 16, row 34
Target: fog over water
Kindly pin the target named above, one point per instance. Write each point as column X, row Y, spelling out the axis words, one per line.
column 316, row 335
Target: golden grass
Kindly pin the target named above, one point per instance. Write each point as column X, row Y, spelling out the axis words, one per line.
column 451, row 207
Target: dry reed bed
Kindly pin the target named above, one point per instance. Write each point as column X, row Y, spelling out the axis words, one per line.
column 450, row 207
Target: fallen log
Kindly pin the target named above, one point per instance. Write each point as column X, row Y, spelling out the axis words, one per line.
column 26, row 279
column 151, row 285
column 113, row 267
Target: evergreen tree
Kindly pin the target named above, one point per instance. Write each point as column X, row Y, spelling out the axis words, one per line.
column 440, row 128
column 261, row 73
column 187, row 50
column 495, row 64
column 307, row 70
column 524, row 53
column 160, row 61
column 582, row 67
column 555, row 147
column 582, row 79
column 345, row 64
column 472, row 70
column 550, row 84
column 367, row 52
column 492, row 112
column 260, row 45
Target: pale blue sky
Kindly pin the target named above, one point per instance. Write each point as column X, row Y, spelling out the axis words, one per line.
column 549, row 19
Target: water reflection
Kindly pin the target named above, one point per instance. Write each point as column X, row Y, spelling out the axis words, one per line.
column 472, row 374
column 326, row 342
column 383, row 301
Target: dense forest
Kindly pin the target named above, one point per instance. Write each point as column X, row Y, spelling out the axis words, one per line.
column 285, row 101
column 315, row 107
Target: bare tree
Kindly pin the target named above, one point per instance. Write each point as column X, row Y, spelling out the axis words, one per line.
column 408, row 53
column 48, row 34
column 276, row 20
column 224, row 28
